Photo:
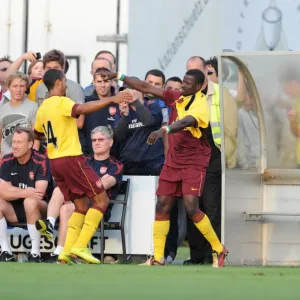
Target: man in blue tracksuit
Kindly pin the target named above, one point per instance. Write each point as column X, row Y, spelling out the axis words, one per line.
column 132, row 127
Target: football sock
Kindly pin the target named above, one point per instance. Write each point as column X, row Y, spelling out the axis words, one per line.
column 75, row 224
column 35, row 238
column 52, row 221
column 202, row 222
column 4, row 236
column 58, row 250
column 160, row 230
column 91, row 223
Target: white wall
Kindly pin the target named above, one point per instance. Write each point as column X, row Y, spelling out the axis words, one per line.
column 73, row 28
column 230, row 24
column 150, row 37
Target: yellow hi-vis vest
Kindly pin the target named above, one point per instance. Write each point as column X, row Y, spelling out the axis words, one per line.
column 215, row 119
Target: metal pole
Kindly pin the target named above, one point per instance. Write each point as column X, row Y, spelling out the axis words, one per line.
column 26, row 27
column 118, row 32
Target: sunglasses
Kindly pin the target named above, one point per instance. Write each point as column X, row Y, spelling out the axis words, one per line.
column 210, row 72
column 98, row 140
column 3, row 69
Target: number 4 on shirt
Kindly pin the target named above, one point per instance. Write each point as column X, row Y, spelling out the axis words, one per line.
column 51, row 139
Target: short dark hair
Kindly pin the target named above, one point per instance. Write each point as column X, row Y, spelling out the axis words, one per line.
column 5, row 58
column 157, row 73
column 213, row 61
column 99, row 70
column 51, row 76
column 27, row 130
column 105, row 52
column 197, row 74
column 54, row 55
column 198, row 57
column 67, row 66
column 175, row 79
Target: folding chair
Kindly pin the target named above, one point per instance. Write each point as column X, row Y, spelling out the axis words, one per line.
column 123, row 193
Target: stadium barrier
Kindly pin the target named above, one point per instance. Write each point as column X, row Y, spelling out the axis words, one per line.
column 138, row 224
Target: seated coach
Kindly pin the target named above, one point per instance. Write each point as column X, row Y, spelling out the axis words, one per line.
column 24, row 180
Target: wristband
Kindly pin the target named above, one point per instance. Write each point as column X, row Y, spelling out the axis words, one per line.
column 166, row 129
column 120, row 76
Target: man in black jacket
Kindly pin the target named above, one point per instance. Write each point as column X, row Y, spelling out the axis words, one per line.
column 133, row 126
column 104, row 117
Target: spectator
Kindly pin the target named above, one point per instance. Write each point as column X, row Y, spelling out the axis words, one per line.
column 5, row 62
column 290, row 78
column 173, row 83
column 103, row 59
column 98, row 63
column 248, row 151
column 104, row 117
column 109, row 56
column 24, row 180
column 230, row 111
column 107, row 168
column 137, row 121
column 55, row 59
column 35, row 71
column 157, row 78
column 18, row 112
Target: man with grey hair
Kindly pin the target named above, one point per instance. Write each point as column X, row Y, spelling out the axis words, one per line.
column 107, row 168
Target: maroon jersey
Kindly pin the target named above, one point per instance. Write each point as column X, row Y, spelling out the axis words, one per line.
column 185, row 151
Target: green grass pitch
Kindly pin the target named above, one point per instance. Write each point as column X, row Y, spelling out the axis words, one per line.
column 122, row 282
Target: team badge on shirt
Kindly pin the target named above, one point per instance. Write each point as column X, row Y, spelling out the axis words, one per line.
column 99, row 183
column 112, row 110
column 31, row 175
column 103, row 170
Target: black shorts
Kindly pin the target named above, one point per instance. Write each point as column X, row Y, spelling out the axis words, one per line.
column 18, row 206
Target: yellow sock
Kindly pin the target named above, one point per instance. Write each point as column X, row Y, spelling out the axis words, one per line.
column 160, row 230
column 208, row 232
column 91, row 223
column 75, row 224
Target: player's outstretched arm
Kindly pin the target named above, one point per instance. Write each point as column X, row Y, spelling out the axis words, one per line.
column 89, row 107
column 179, row 125
column 135, row 83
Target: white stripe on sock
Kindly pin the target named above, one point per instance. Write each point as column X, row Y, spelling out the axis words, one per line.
column 52, row 220
column 58, row 250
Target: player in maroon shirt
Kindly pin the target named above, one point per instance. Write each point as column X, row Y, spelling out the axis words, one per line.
column 185, row 166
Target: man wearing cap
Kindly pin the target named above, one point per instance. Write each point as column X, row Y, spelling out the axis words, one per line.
column 104, row 117
column 133, row 126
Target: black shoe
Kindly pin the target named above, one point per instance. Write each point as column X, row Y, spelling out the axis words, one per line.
column 190, row 262
column 52, row 259
column 6, row 257
column 45, row 228
column 34, row 258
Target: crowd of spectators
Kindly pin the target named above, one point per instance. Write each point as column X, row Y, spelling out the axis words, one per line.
column 114, row 141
